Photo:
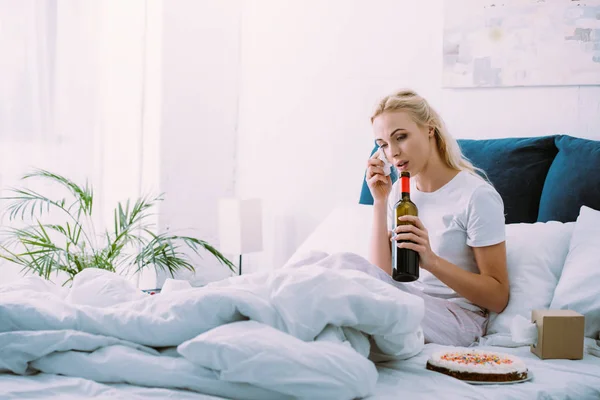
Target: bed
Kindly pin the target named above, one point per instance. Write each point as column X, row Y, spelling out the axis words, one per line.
column 552, row 379
column 552, row 253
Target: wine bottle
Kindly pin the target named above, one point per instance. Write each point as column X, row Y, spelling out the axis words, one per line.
column 405, row 262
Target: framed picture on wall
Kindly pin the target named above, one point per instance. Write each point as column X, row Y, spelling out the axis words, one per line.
column 521, row 43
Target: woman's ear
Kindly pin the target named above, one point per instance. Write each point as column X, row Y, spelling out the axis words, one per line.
column 431, row 131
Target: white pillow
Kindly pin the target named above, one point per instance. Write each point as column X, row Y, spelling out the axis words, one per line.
column 346, row 229
column 535, row 257
column 101, row 288
column 579, row 285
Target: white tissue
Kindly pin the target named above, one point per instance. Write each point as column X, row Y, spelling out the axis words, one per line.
column 523, row 331
column 172, row 285
column 387, row 166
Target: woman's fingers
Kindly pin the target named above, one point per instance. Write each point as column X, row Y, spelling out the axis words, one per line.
column 373, row 171
column 379, row 184
column 376, row 178
column 413, row 220
column 412, row 246
column 375, row 156
column 375, row 163
column 411, row 237
column 408, row 228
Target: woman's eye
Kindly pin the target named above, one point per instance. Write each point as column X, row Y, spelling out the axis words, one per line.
column 400, row 137
column 382, row 146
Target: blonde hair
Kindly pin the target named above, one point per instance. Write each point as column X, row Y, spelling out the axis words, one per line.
column 424, row 115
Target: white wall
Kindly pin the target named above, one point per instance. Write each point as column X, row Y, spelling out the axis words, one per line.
column 200, row 86
column 311, row 73
column 520, row 112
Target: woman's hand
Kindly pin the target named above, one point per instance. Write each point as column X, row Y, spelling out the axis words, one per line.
column 416, row 233
column 379, row 184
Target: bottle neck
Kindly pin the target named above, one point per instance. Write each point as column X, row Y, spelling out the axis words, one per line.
column 405, row 187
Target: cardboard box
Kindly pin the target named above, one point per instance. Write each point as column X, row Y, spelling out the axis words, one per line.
column 560, row 334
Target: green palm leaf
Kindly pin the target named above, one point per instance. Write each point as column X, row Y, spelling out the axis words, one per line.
column 71, row 247
column 84, row 195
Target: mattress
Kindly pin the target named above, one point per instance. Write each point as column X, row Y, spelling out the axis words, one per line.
column 552, row 379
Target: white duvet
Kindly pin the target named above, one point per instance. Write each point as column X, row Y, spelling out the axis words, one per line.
column 308, row 331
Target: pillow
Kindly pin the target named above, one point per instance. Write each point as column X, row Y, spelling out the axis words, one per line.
column 535, row 256
column 517, row 168
column 579, row 285
column 101, row 288
column 573, row 180
column 346, row 229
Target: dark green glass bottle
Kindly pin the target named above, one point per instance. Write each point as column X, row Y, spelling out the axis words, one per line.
column 405, row 262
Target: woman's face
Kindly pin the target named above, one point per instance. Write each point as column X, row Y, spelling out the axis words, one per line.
column 405, row 144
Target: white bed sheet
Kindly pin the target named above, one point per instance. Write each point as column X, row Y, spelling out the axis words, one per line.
column 553, row 379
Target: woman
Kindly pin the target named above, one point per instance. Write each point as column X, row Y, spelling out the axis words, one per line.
column 460, row 231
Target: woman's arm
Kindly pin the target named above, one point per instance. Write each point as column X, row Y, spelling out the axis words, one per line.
column 380, row 251
column 380, row 186
column 488, row 289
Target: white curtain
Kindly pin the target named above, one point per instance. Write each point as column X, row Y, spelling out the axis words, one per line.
column 28, row 44
column 48, row 101
column 78, row 82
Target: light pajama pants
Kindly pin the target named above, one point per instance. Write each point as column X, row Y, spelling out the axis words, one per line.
column 444, row 323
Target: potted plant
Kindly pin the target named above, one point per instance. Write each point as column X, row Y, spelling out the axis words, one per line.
column 73, row 245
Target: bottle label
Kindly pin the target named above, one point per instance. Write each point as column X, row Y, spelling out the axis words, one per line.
column 405, row 183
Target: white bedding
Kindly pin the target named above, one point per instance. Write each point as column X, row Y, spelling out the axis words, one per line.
column 553, row 379
column 307, row 332
column 298, row 332
column 49, row 386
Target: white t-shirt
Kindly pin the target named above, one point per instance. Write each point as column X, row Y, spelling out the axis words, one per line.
column 466, row 212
